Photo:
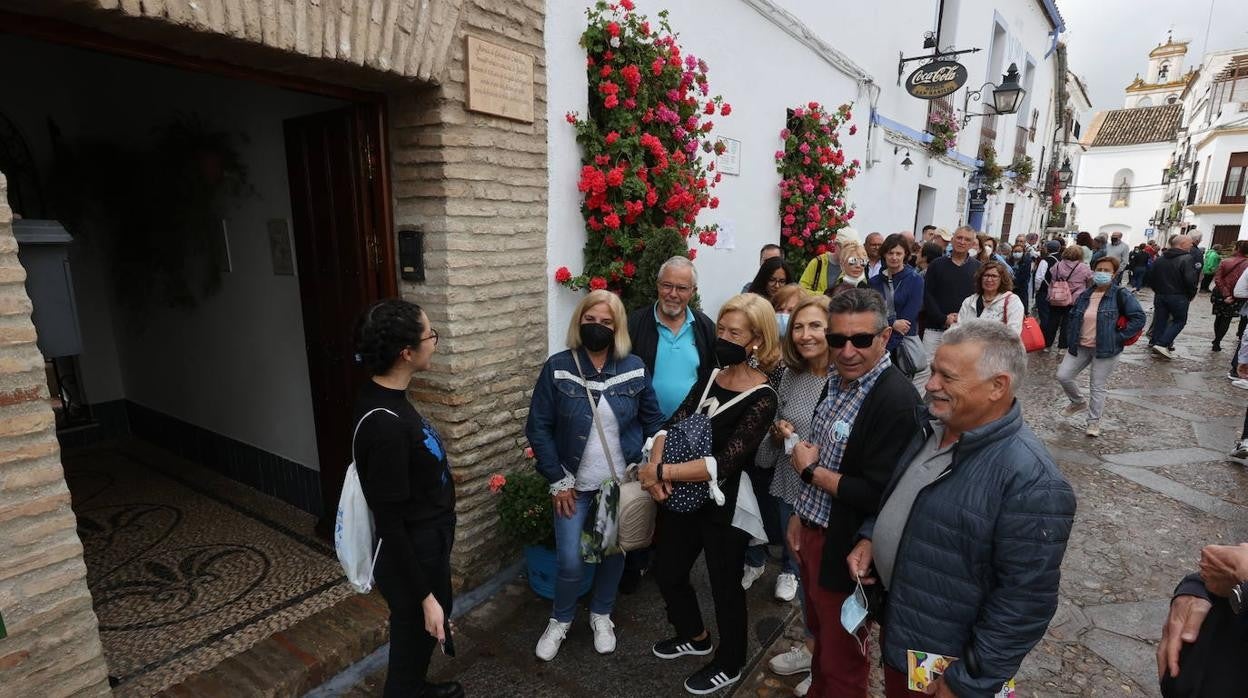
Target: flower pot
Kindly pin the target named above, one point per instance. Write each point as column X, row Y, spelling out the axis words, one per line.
column 543, row 570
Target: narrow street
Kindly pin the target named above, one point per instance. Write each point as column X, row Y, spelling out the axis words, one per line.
column 1152, row 490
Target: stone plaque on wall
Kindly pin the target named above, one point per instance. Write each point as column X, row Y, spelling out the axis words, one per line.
column 500, row 80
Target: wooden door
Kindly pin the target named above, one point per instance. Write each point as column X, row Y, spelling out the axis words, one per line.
column 345, row 262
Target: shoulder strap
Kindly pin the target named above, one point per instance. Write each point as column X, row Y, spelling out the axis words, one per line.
column 361, row 423
column 740, row 397
column 593, row 411
column 709, row 382
column 979, row 305
column 818, row 269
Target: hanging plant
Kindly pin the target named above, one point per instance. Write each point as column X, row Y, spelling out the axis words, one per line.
column 642, row 177
column 944, row 129
column 990, row 171
column 1023, row 167
column 814, row 176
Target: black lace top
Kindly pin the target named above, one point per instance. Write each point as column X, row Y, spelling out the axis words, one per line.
column 735, row 435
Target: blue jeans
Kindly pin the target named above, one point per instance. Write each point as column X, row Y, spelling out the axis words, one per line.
column 1137, row 277
column 568, row 551
column 1169, row 318
column 785, row 510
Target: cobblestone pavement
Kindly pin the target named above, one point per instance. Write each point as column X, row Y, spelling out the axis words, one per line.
column 1152, row 490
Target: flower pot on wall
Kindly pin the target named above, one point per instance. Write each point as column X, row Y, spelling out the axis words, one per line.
column 543, row 570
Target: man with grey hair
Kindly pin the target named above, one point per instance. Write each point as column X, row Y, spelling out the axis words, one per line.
column 677, row 345
column 970, row 538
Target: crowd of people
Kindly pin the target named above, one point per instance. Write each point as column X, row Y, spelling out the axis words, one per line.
column 861, row 416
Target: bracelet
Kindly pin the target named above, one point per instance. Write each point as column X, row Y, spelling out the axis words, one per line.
column 658, row 472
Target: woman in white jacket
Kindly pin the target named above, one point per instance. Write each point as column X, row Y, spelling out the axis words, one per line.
column 994, row 298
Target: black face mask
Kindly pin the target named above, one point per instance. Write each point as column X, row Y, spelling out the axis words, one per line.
column 595, row 337
column 727, row 353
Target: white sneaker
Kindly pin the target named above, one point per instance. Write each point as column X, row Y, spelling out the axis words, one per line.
column 1240, row 383
column 1094, row 429
column 751, row 575
column 1163, row 352
column 795, row 661
column 1241, row 450
column 802, row 688
column 604, row 633
column 786, row 586
column 548, row 646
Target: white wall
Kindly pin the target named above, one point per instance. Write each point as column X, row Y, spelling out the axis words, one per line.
column 1095, row 181
column 762, row 70
column 236, row 364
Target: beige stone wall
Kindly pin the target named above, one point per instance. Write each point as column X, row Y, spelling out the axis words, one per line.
column 53, row 647
column 477, row 184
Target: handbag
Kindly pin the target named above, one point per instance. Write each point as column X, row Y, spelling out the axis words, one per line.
column 690, row 439
column 1032, row 335
column 635, row 509
column 909, row 356
column 1121, row 323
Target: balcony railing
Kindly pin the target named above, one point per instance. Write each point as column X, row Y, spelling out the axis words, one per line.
column 1226, row 192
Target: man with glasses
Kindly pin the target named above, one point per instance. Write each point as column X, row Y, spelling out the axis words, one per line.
column 862, row 423
column 677, row 345
column 949, row 281
column 974, row 524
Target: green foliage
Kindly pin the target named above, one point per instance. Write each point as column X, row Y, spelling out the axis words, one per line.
column 525, row 509
column 990, row 171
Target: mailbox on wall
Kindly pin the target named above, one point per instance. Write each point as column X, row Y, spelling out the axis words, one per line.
column 412, row 254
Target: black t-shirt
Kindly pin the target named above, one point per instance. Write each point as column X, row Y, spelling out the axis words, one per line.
column 402, row 460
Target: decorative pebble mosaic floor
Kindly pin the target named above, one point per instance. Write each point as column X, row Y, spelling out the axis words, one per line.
column 187, row 568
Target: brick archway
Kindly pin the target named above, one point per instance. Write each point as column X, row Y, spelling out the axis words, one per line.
column 476, row 185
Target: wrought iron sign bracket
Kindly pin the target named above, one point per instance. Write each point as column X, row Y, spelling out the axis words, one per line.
column 902, row 60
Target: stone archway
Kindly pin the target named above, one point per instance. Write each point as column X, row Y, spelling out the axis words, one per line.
column 474, row 184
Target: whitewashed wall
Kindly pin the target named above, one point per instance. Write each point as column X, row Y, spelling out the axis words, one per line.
column 762, row 70
column 1096, row 173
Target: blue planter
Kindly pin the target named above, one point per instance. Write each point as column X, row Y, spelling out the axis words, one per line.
column 543, row 570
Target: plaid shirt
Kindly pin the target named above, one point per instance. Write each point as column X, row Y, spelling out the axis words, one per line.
column 841, row 408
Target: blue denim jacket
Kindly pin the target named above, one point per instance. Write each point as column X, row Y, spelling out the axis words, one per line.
column 560, row 418
column 1109, row 339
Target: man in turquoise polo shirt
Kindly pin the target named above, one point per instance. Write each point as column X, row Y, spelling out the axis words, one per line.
column 677, row 345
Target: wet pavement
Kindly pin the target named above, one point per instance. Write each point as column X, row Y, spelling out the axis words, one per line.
column 1152, row 489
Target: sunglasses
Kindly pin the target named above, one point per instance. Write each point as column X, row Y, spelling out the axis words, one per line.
column 861, row 341
column 856, row 260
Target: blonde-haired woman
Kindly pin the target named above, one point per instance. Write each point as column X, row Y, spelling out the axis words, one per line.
column 574, row 457
column 741, row 409
column 854, row 263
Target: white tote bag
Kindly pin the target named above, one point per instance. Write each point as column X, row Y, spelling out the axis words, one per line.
column 353, row 528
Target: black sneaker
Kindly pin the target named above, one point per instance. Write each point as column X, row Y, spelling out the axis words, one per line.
column 679, row 647
column 709, row 679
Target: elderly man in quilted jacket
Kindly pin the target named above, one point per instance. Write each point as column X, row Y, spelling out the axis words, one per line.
column 970, row 539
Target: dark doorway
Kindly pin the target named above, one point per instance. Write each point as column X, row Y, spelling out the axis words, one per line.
column 1224, row 235
column 342, row 244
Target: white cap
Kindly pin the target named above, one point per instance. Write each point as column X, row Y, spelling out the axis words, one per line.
column 848, row 235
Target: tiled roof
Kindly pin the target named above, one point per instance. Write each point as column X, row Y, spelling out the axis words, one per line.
column 1139, row 125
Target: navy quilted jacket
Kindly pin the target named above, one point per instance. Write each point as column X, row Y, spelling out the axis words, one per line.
column 980, row 559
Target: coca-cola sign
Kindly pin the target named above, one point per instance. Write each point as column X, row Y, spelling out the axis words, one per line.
column 936, row 79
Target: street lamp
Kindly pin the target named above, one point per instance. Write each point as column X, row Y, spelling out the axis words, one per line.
column 1065, row 174
column 905, row 164
column 1005, row 97
column 1066, row 199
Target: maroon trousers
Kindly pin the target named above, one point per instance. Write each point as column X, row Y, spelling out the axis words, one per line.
column 838, row 668
column 897, row 684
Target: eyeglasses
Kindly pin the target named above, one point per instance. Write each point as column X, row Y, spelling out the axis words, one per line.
column 861, row 341
column 773, row 281
column 433, row 335
column 665, row 287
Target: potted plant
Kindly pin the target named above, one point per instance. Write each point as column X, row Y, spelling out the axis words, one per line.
column 990, row 172
column 525, row 510
column 944, row 129
column 1022, row 167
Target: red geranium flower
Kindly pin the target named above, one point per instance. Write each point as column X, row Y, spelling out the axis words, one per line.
column 597, row 283
column 562, row 274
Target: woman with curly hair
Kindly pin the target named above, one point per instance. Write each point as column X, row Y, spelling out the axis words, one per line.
column 994, row 297
column 408, row 486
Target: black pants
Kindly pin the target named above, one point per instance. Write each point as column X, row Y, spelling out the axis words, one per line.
column 1221, row 325
column 410, row 646
column 1210, row 667
column 685, row 536
column 1056, row 328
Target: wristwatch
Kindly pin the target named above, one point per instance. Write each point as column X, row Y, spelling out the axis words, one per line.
column 1239, row 597
column 808, row 475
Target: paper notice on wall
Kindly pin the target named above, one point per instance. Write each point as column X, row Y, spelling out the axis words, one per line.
column 726, row 238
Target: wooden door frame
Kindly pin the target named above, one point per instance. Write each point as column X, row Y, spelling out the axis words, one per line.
column 370, row 105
